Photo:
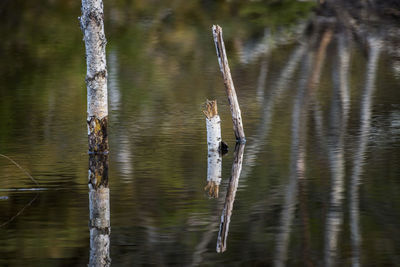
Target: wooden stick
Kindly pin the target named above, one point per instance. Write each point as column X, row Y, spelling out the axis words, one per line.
column 228, row 82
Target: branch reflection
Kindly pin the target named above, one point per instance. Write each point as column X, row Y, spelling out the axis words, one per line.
column 230, row 198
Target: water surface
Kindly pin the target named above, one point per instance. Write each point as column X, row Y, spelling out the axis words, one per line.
column 321, row 109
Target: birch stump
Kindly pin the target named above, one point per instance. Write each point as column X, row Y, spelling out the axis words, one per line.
column 228, row 82
column 92, row 26
column 214, row 164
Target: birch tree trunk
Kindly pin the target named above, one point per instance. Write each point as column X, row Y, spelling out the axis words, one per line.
column 99, row 211
column 214, row 166
column 92, row 27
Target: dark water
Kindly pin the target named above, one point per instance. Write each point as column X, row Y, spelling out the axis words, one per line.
column 320, row 103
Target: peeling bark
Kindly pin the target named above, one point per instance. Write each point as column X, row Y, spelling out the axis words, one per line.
column 97, row 135
column 98, row 171
column 214, row 173
column 92, row 26
column 213, row 123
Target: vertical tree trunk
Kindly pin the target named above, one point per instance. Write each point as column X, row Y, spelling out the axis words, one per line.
column 97, row 119
column 230, row 88
column 99, row 211
column 96, row 76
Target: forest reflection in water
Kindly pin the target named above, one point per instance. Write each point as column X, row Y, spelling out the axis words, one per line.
column 319, row 181
column 331, row 138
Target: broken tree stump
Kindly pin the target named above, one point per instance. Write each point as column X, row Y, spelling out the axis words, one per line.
column 214, row 158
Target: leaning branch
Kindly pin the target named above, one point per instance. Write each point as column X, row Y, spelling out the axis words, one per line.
column 228, row 82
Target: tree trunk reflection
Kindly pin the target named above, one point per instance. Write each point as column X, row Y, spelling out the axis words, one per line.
column 373, row 56
column 339, row 115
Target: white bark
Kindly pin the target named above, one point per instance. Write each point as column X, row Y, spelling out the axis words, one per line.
column 99, row 214
column 95, row 44
column 214, row 170
column 213, row 133
column 214, row 167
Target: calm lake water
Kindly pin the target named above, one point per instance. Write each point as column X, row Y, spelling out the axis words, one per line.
column 320, row 102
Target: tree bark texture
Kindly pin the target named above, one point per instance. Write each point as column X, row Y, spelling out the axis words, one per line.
column 99, row 211
column 92, row 26
column 230, row 198
column 214, row 159
column 228, row 82
column 214, row 173
column 213, row 123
